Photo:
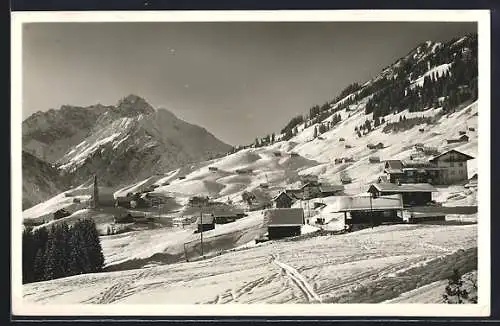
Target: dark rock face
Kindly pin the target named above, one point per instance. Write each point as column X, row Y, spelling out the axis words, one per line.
column 40, row 180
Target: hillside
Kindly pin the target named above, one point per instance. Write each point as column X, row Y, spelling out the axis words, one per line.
column 40, row 180
column 119, row 144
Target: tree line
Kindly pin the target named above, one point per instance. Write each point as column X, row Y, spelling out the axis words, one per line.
column 393, row 91
column 61, row 251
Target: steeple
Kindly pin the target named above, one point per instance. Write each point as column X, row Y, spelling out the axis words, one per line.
column 95, row 197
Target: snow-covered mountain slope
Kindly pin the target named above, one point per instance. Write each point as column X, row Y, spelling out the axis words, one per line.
column 120, row 144
column 276, row 166
column 368, row 266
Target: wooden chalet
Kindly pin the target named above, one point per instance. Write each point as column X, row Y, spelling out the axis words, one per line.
column 453, row 166
column 365, row 209
column 283, row 200
column 414, row 194
column 461, row 139
column 284, row 222
column 412, row 171
column 375, row 146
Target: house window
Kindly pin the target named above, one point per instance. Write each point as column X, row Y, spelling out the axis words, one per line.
column 410, row 173
column 452, row 164
column 460, row 164
column 452, row 172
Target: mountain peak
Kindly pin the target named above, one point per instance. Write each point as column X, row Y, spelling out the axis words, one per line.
column 133, row 105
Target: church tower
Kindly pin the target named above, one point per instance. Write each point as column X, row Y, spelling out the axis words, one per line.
column 95, row 197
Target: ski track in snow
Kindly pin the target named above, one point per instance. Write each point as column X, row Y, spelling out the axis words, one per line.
column 299, row 280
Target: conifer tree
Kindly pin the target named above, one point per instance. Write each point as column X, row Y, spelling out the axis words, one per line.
column 29, row 253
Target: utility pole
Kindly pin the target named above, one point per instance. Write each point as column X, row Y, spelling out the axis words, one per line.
column 201, row 233
column 371, row 210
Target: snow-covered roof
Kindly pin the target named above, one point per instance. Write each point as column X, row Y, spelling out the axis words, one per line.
column 468, row 157
column 283, row 193
column 227, row 212
column 407, row 187
column 366, row 202
column 284, row 216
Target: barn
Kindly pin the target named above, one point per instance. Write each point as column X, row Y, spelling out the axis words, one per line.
column 414, row 194
column 283, row 200
column 327, row 190
column 283, row 222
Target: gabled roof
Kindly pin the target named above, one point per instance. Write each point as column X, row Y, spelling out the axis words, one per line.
column 284, row 216
column 365, row 202
column 283, row 193
column 468, row 157
column 408, row 187
column 394, row 164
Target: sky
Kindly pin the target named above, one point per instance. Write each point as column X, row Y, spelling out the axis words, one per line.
column 238, row 80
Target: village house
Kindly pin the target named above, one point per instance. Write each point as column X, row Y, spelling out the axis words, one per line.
column 284, row 222
column 414, row 194
column 213, row 169
column 365, row 209
column 375, row 146
column 283, row 200
column 224, row 214
column 413, row 171
column 345, row 178
column 453, row 165
column 461, row 139
column 294, row 193
column 314, row 190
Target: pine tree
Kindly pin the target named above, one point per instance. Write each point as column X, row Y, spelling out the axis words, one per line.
column 93, row 244
column 54, row 254
column 40, row 238
column 29, row 253
column 315, row 133
column 39, row 264
column 78, row 260
column 273, row 137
